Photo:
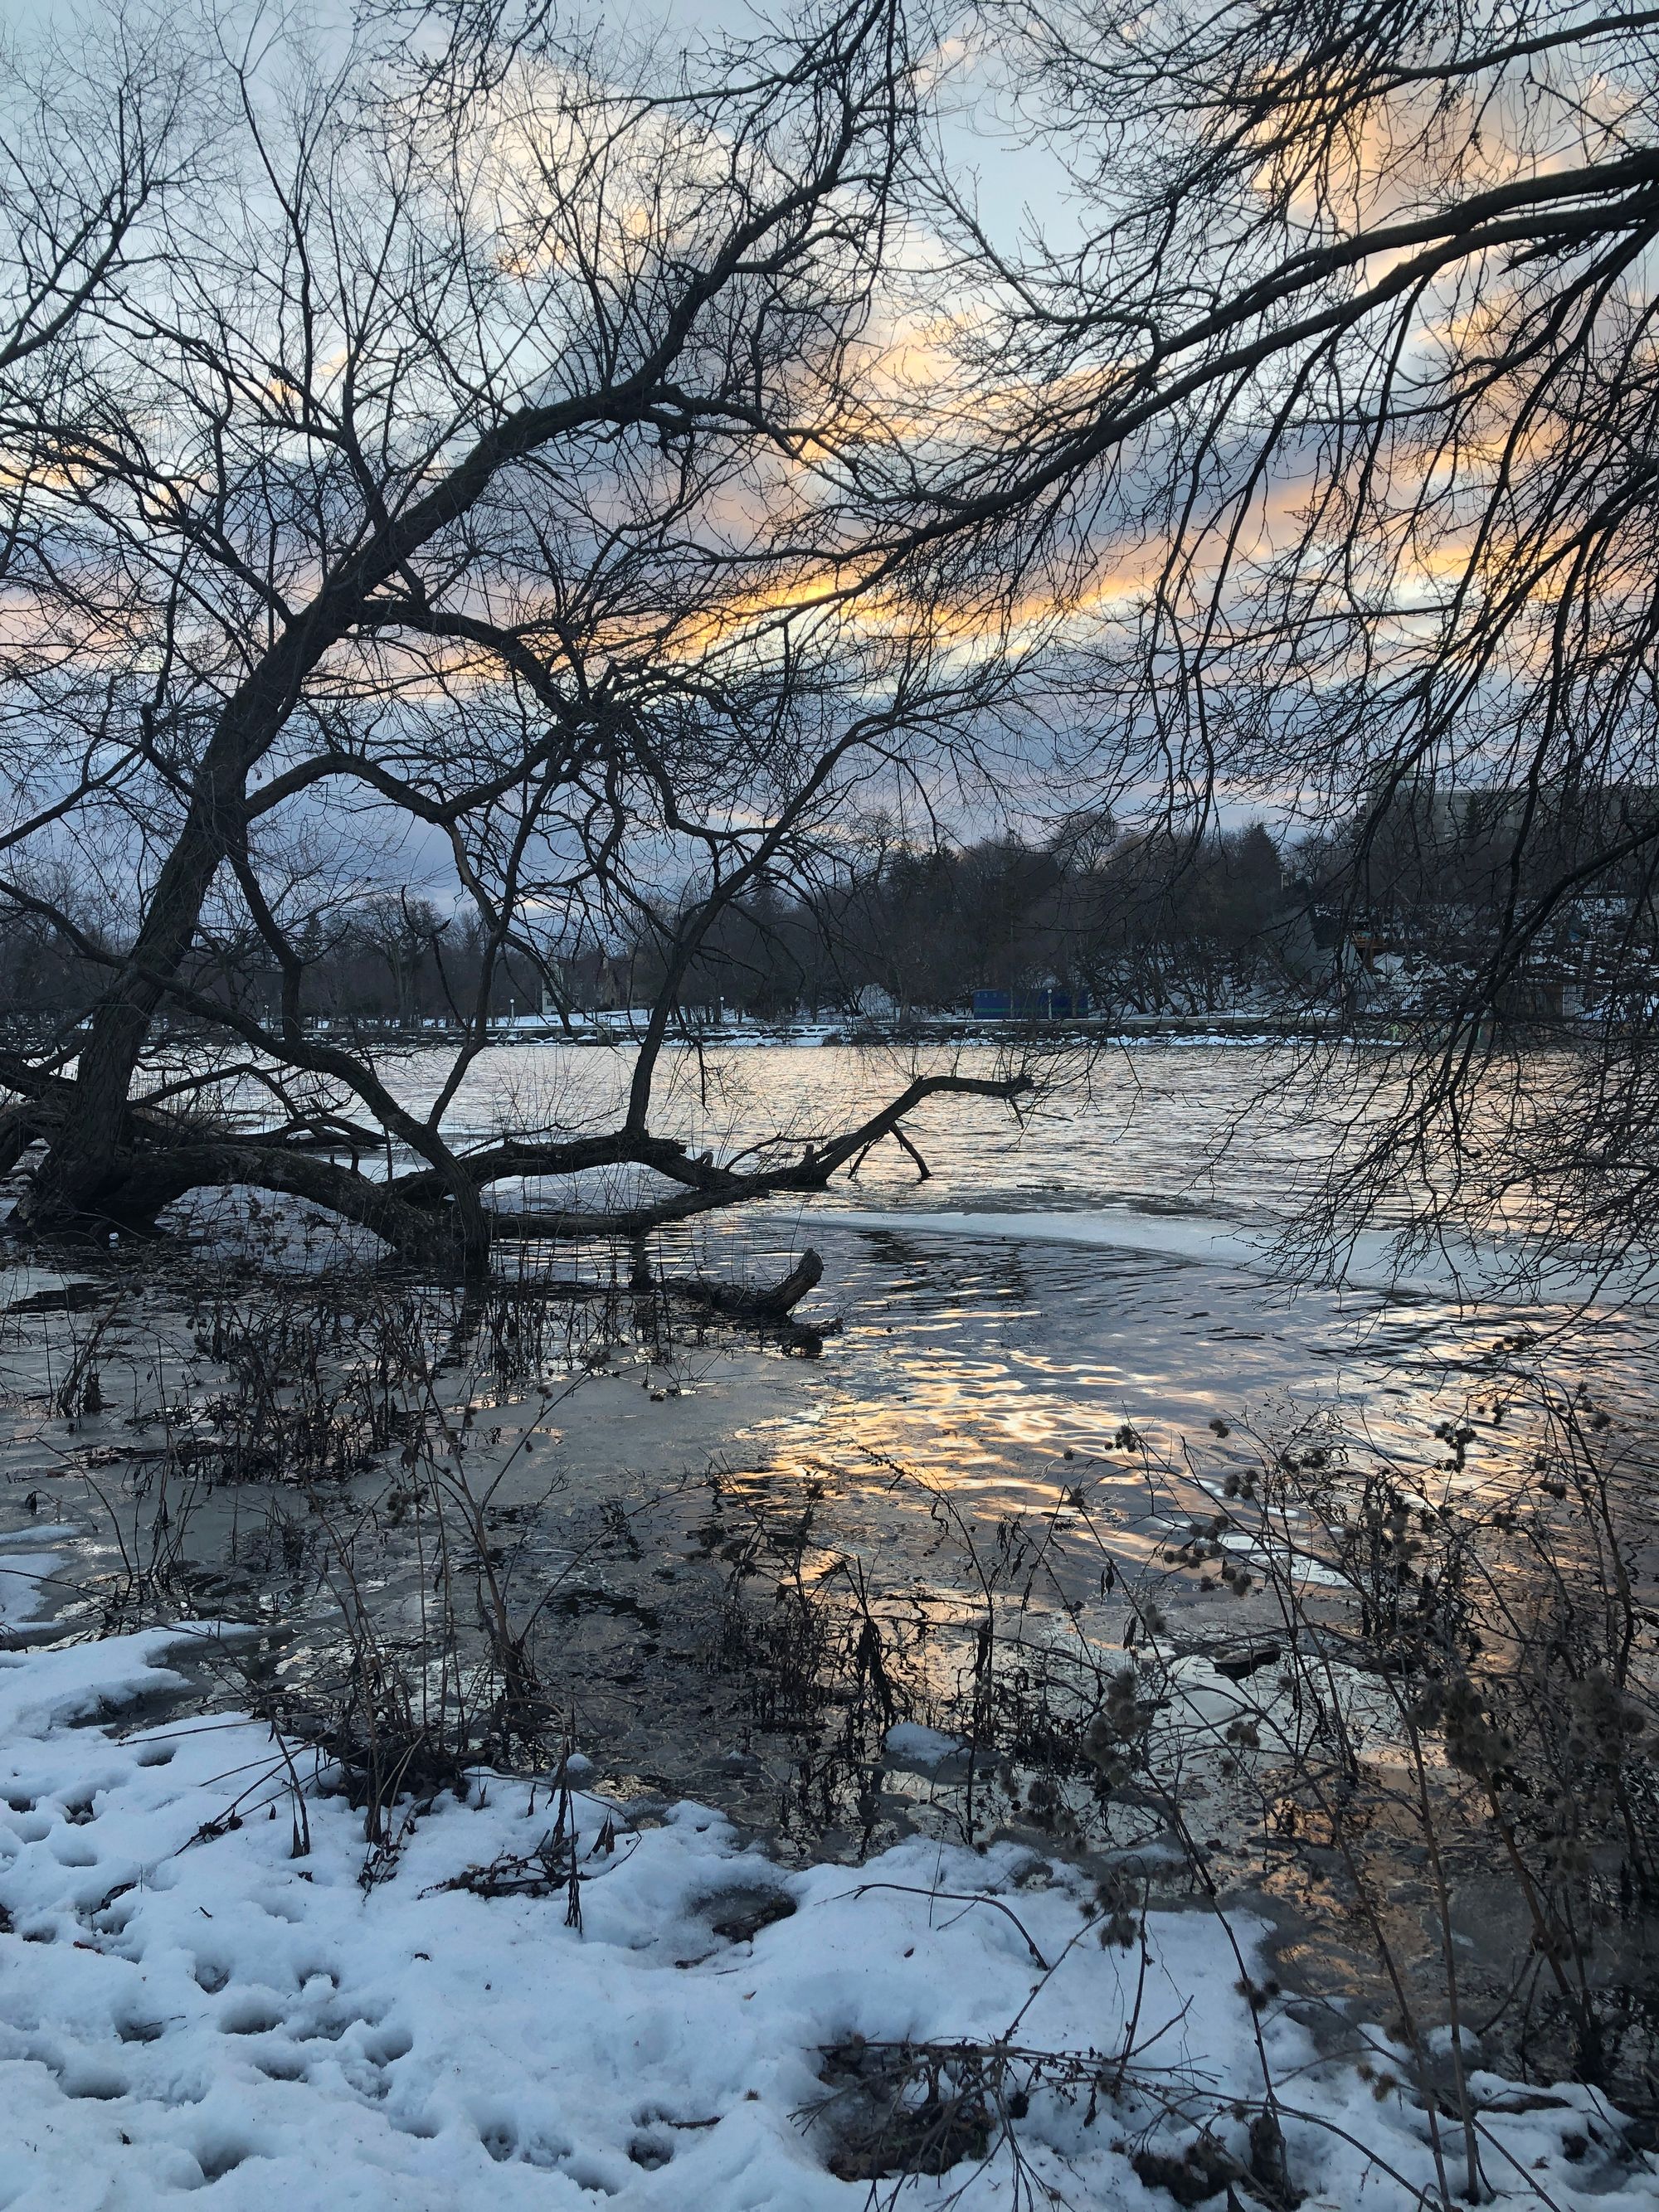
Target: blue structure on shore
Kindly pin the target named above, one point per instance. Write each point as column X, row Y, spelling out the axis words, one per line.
column 1049, row 1006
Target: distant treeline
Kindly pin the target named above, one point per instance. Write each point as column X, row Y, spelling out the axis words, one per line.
column 1144, row 921
column 1151, row 922
column 1147, row 922
column 390, row 957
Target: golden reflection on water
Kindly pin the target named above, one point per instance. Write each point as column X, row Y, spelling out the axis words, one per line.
column 1001, row 1379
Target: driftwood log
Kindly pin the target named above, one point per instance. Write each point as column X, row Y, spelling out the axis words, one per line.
column 741, row 1304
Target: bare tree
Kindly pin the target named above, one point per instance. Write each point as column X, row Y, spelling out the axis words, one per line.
column 97, row 135
column 1348, row 393
column 462, row 465
column 91, row 143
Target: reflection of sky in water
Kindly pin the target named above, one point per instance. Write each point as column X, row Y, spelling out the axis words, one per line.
column 1166, row 1140
column 980, row 1365
column 975, row 1345
column 988, row 1344
column 974, row 1355
column 1148, row 1127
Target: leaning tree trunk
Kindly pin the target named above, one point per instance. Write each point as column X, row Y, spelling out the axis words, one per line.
column 80, row 1182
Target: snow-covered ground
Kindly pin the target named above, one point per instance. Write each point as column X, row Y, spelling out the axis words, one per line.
column 188, row 1999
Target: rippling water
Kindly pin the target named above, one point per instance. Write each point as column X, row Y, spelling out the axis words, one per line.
column 1103, row 1258
column 1152, row 1128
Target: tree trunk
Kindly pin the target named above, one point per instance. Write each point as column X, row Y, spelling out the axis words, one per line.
column 79, row 1184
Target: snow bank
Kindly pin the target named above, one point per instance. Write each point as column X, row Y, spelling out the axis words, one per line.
column 42, row 1689
column 183, row 2002
column 22, row 1573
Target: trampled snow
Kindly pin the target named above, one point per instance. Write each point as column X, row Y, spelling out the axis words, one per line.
column 185, row 2001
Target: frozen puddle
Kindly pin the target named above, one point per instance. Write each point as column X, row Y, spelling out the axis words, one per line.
column 184, row 2004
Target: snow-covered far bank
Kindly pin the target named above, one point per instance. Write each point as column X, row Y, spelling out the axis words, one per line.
column 193, row 1993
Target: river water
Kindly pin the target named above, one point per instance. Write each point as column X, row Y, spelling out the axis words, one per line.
column 1098, row 1270
column 1107, row 1256
column 1076, row 1297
